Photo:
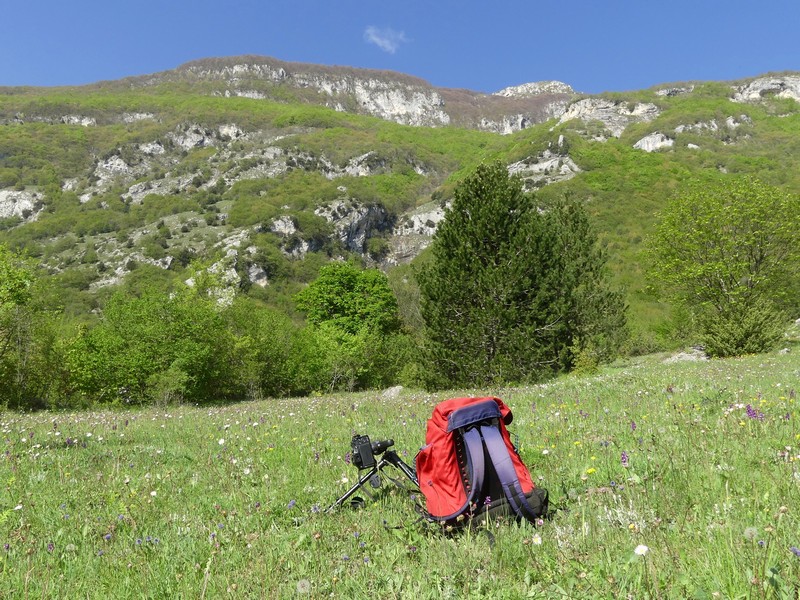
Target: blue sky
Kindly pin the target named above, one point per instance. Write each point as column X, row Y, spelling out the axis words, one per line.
column 595, row 46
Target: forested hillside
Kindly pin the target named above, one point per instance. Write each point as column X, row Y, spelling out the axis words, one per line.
column 251, row 183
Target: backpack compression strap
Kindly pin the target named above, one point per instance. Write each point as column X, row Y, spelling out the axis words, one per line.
column 501, row 460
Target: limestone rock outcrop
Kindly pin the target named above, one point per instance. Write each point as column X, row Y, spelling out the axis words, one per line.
column 786, row 86
column 615, row 116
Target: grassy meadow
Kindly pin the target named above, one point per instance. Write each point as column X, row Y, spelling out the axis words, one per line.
column 672, row 479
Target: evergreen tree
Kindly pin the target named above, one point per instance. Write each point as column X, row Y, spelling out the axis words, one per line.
column 514, row 291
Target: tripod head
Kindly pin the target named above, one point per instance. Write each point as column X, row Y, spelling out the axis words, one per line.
column 363, row 452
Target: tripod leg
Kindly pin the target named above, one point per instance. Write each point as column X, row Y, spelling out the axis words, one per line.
column 361, row 481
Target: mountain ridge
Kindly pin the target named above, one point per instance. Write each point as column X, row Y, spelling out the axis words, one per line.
column 138, row 177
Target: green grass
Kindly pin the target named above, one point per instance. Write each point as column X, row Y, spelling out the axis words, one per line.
column 230, row 501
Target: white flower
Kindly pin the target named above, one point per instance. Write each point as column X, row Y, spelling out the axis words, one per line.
column 221, row 441
column 537, row 539
column 545, row 451
column 641, row 550
column 153, row 493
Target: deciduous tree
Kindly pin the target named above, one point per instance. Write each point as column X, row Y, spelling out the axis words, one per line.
column 730, row 253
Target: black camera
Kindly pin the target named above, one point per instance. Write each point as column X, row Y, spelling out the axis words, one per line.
column 363, row 452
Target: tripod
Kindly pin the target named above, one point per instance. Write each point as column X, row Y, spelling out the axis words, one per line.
column 372, row 475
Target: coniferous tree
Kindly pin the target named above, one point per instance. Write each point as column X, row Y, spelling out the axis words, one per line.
column 514, row 291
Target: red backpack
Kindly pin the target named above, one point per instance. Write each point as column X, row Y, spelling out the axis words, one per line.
column 469, row 467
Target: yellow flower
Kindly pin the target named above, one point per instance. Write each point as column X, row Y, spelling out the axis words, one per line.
column 591, row 470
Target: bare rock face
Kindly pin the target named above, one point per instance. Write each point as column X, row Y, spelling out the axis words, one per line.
column 548, row 167
column 615, row 116
column 535, row 88
column 191, row 137
column 78, row 120
column 675, row 91
column 354, row 223
column 22, row 204
column 787, row 86
column 712, row 125
column 413, row 233
column 654, row 141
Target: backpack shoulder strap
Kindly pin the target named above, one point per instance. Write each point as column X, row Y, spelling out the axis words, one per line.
column 501, row 460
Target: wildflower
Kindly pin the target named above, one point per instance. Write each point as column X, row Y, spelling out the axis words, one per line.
column 750, row 533
column 291, row 503
column 539, row 522
column 590, row 470
column 221, row 441
column 487, row 500
column 107, row 537
column 641, row 550
column 795, row 550
column 624, row 459
column 633, row 425
column 752, row 413
column 303, row 586
column 537, row 539
column 153, row 493
column 315, row 509
column 50, row 546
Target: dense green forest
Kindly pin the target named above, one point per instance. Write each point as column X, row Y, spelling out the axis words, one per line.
column 113, row 197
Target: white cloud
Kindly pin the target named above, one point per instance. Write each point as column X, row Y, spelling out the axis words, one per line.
column 387, row 39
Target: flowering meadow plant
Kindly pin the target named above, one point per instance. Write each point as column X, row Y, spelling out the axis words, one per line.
column 669, row 479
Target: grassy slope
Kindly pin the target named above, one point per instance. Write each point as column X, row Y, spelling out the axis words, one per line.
column 217, row 502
